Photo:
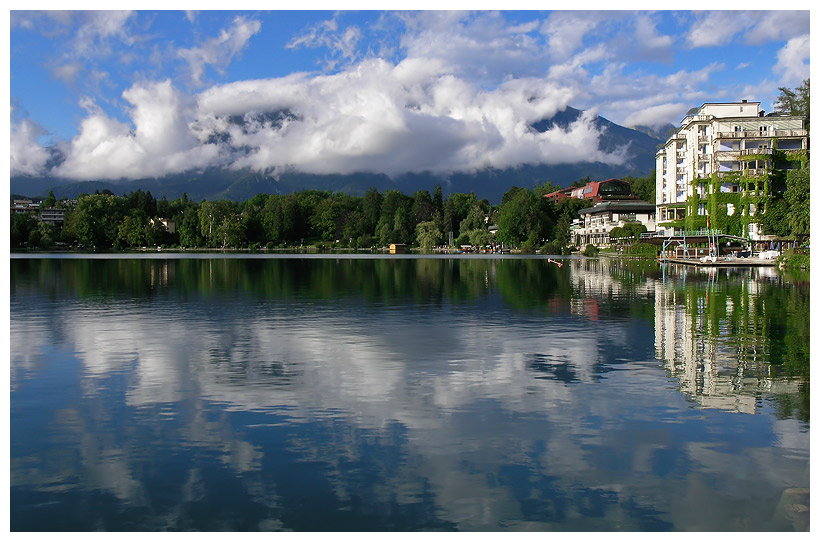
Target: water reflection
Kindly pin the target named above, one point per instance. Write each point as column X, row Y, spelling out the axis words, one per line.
column 402, row 394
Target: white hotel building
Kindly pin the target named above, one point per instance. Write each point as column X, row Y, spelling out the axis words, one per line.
column 718, row 163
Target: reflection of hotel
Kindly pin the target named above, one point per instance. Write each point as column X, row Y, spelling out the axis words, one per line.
column 717, row 367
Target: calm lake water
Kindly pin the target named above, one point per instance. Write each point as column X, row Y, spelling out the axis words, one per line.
column 202, row 392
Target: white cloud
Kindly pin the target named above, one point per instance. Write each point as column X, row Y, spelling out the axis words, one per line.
column 778, row 25
column 219, row 51
column 656, row 116
column 160, row 142
column 650, row 44
column 566, row 30
column 28, row 157
column 98, row 28
column 793, row 61
column 717, row 28
column 392, row 119
column 458, row 92
column 482, row 47
column 342, row 44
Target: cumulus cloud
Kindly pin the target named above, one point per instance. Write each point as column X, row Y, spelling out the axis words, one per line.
column 566, row 30
column 778, row 25
column 657, row 116
column 28, row 157
column 219, row 51
column 716, row 28
column 793, row 61
column 99, row 27
column 160, row 142
column 483, row 46
column 388, row 118
column 649, row 43
column 447, row 91
column 757, row 27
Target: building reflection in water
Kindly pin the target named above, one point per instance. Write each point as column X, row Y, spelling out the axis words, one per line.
column 710, row 337
column 710, row 331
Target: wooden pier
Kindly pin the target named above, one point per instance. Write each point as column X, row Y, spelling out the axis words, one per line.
column 721, row 262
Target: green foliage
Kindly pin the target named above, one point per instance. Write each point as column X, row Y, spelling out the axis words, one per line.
column 42, row 235
column 562, row 233
column 642, row 249
column 794, row 261
column 630, row 230
column 590, row 251
column 797, row 199
column 427, row 234
column 547, row 187
column 22, row 225
column 794, row 102
column 480, row 237
column 523, row 216
column 95, row 221
column 529, row 246
column 132, row 230
column 643, row 187
column 50, row 200
column 220, row 224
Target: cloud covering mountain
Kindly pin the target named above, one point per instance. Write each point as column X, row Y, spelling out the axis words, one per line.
column 395, row 93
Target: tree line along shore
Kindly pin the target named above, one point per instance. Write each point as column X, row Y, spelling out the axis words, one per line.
column 524, row 219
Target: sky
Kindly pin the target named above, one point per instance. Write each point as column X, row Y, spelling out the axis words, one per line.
column 138, row 94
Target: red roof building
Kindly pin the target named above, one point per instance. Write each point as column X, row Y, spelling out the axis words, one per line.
column 597, row 191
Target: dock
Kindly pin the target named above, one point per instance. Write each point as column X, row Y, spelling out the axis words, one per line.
column 722, row 262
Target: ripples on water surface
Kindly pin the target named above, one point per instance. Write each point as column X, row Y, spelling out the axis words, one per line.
column 308, row 394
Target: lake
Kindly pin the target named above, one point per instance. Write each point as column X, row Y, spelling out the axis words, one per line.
column 250, row 392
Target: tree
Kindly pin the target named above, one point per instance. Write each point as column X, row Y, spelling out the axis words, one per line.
column 50, row 200
column 547, row 187
column 562, row 233
column 643, row 187
column 42, row 236
column 423, row 207
column 775, row 221
column 473, row 221
column 427, row 234
column 188, row 227
column 22, row 225
column 797, row 198
column 517, row 216
column 220, row 224
column 131, row 231
column 96, row 220
column 795, row 103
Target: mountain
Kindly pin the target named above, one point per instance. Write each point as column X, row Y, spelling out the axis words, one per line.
column 490, row 183
column 663, row 133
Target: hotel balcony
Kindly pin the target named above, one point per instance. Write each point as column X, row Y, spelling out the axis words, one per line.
column 762, row 133
column 749, row 152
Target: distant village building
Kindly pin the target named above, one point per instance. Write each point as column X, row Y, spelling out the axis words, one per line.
column 719, row 165
column 53, row 215
column 597, row 222
column 596, row 191
column 615, row 205
column 165, row 223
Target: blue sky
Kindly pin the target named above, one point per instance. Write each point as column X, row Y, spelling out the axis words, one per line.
column 146, row 93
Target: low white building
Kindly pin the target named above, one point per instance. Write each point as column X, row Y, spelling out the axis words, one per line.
column 598, row 221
